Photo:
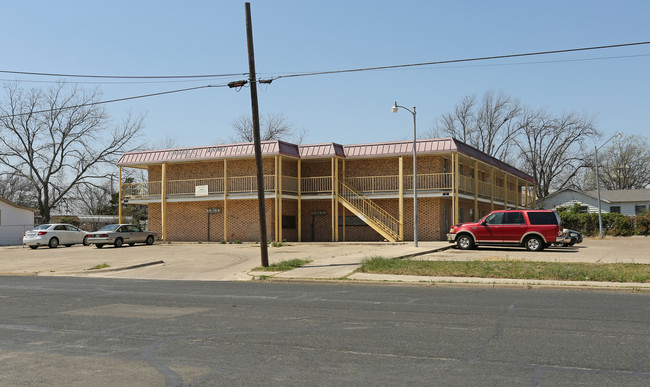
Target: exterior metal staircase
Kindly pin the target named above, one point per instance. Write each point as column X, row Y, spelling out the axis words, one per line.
column 368, row 211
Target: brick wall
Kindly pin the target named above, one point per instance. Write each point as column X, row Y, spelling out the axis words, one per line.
column 188, row 221
column 390, row 166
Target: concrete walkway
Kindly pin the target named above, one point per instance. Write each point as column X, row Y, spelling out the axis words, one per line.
column 329, row 261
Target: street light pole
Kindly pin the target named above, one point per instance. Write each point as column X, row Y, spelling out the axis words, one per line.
column 600, row 212
column 415, row 172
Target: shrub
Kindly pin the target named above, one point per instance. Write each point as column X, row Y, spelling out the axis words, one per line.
column 642, row 223
column 623, row 226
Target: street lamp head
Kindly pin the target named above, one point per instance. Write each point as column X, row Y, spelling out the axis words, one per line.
column 394, row 108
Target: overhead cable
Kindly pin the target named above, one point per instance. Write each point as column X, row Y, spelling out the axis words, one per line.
column 112, row 100
column 462, row 60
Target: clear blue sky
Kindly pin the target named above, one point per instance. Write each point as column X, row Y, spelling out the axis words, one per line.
column 209, row 37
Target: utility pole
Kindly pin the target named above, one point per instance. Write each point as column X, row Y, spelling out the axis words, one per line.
column 256, row 136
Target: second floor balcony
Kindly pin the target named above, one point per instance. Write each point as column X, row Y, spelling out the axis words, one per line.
column 386, row 186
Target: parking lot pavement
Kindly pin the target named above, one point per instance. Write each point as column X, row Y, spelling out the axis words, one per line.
column 235, row 262
column 610, row 250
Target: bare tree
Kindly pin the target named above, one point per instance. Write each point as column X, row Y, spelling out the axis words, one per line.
column 551, row 147
column 57, row 139
column 272, row 127
column 16, row 189
column 93, row 198
column 488, row 125
column 626, row 164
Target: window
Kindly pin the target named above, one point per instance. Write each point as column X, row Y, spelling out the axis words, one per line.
column 460, row 215
column 545, row 217
column 639, row 208
column 615, row 209
column 584, row 209
column 351, row 221
column 495, row 218
column 513, row 218
column 288, row 222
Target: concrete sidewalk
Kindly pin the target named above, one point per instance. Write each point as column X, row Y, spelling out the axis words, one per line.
column 330, row 261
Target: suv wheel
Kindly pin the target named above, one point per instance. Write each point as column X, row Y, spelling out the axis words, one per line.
column 534, row 243
column 465, row 242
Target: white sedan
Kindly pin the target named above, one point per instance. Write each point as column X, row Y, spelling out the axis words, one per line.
column 55, row 234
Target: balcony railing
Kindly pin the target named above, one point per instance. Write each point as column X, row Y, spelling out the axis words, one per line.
column 367, row 185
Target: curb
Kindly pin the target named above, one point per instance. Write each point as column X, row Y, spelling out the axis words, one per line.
column 125, row 268
column 446, row 283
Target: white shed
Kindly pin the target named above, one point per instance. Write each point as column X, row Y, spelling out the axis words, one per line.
column 14, row 221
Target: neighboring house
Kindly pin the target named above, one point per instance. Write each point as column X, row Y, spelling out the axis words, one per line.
column 321, row 192
column 14, row 221
column 627, row 202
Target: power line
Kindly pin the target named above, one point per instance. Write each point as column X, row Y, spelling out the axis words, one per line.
column 112, row 100
column 122, row 76
column 106, row 82
column 462, row 60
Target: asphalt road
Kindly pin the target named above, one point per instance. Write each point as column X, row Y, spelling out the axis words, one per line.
column 94, row 331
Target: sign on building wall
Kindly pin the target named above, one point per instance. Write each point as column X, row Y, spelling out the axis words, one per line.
column 201, row 190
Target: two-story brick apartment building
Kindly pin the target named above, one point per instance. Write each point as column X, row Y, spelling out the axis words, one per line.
column 321, row 192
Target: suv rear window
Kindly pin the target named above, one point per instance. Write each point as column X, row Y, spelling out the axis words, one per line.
column 546, row 217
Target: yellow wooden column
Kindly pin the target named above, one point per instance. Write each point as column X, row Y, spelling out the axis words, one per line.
column 299, row 200
column 517, row 194
column 119, row 195
column 526, row 196
column 225, row 200
column 280, row 200
column 336, row 200
column 492, row 183
column 476, row 217
column 163, row 202
column 343, row 208
column 333, row 198
column 401, row 197
column 457, row 189
column 275, row 199
column 505, row 191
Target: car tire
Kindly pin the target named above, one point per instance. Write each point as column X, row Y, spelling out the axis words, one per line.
column 33, row 247
column 149, row 240
column 99, row 245
column 534, row 243
column 85, row 241
column 465, row 242
column 118, row 242
column 53, row 243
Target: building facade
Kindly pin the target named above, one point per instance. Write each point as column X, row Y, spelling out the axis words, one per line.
column 14, row 221
column 628, row 202
column 321, row 192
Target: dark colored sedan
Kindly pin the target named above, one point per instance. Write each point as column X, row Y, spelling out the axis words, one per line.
column 119, row 234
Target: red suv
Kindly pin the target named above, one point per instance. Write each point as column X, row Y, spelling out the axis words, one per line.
column 533, row 229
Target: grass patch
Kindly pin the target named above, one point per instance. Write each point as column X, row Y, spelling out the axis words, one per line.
column 102, row 266
column 284, row 265
column 560, row 271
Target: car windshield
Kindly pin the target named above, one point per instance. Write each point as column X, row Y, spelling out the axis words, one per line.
column 42, row 227
column 110, row 227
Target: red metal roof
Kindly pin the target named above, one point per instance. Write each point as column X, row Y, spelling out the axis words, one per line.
column 270, row 148
column 322, row 150
column 201, row 153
